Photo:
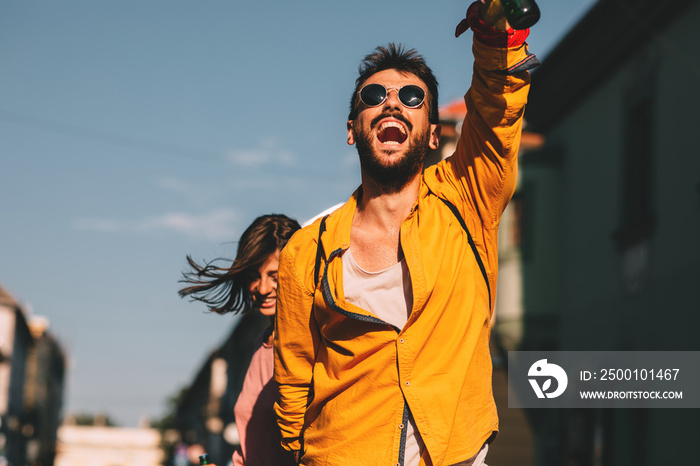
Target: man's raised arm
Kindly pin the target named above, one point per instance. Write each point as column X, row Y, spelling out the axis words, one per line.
column 484, row 167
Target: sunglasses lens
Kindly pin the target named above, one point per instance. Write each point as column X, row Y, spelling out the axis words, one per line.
column 373, row 94
column 411, row 96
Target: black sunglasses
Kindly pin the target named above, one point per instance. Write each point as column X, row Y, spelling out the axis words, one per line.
column 411, row 96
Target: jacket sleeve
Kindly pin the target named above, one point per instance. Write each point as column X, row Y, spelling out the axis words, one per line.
column 483, row 170
column 296, row 344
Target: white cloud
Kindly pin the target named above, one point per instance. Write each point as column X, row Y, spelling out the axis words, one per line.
column 268, row 153
column 218, row 225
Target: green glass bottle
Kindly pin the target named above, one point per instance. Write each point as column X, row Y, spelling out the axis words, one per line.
column 521, row 14
column 204, row 459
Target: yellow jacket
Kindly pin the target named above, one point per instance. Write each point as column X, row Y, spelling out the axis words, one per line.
column 346, row 378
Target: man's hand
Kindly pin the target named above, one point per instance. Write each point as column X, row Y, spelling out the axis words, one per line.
column 492, row 14
column 488, row 14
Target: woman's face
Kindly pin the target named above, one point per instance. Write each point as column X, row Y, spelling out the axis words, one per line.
column 263, row 288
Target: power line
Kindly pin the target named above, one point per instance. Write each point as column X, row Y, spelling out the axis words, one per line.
column 130, row 142
column 107, row 137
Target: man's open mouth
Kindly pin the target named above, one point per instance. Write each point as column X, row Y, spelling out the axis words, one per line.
column 392, row 132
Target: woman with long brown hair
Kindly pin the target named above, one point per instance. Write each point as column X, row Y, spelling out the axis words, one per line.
column 248, row 285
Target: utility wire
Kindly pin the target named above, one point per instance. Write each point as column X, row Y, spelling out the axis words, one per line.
column 129, row 142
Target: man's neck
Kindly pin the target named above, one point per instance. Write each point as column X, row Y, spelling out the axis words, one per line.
column 376, row 226
column 380, row 207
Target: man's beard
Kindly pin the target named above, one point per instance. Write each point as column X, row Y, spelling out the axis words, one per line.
column 391, row 178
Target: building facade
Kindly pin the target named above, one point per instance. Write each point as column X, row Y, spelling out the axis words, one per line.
column 15, row 342
column 108, row 446
column 204, row 411
column 32, row 377
column 611, row 217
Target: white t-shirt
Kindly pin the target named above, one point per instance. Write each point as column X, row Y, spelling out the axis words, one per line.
column 388, row 295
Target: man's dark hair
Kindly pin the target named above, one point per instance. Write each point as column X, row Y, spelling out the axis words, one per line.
column 397, row 57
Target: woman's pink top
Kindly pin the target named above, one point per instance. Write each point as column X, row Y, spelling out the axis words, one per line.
column 255, row 416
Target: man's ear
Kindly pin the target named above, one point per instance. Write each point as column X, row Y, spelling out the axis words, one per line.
column 434, row 140
column 351, row 132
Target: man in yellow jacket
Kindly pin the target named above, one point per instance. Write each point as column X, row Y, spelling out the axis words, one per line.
column 384, row 306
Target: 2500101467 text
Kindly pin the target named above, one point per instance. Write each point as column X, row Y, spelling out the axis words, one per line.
column 632, row 374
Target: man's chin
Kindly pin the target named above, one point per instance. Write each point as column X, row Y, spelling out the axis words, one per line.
column 390, row 159
column 391, row 168
column 392, row 155
column 391, row 177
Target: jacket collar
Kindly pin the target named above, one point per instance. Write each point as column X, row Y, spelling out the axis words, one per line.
column 337, row 235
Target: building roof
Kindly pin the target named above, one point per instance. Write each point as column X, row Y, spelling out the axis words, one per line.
column 455, row 111
column 591, row 54
column 7, row 299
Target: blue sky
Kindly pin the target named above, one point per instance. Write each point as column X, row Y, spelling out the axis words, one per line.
column 133, row 133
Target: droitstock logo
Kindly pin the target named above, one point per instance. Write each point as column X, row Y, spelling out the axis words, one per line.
column 545, row 372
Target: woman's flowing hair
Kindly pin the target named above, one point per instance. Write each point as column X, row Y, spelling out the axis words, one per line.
column 225, row 289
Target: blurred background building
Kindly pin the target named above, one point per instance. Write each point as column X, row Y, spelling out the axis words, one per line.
column 201, row 415
column 611, row 218
column 32, row 375
column 102, row 445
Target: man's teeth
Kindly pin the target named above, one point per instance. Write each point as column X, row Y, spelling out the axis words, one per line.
column 392, row 124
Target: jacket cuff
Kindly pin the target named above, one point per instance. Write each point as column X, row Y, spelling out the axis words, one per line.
column 504, row 60
column 490, row 36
